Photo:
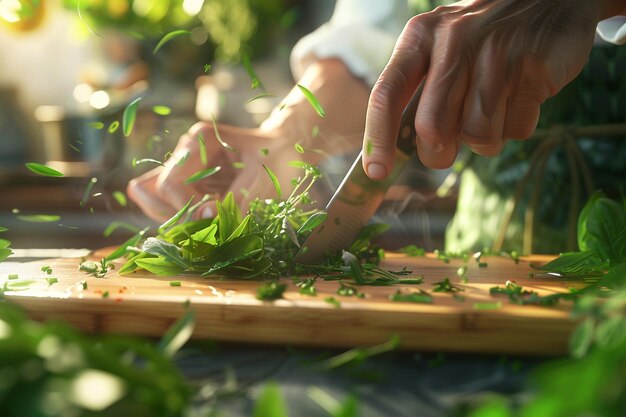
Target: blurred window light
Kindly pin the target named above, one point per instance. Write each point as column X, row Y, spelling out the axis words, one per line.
column 99, row 99
column 192, row 7
column 10, row 10
column 82, row 93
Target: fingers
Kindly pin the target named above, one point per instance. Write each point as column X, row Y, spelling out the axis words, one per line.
column 142, row 191
column 392, row 92
column 439, row 115
column 485, row 105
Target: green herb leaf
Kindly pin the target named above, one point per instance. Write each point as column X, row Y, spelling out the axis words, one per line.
column 97, row 125
column 421, row 297
column 412, row 250
column 446, row 286
column 168, row 37
column 313, row 221
column 581, row 338
column 114, row 126
column 582, row 220
column 271, row 291
column 256, row 82
column 298, row 148
column 116, row 224
column 161, row 110
column 120, row 197
column 39, row 218
column 178, row 334
column 200, row 175
column 166, row 250
column 274, row 179
column 136, row 162
column 219, row 137
column 202, row 143
column 313, row 101
column 258, row 96
column 43, row 170
column 128, row 118
column 176, row 217
column 576, row 263
column 159, row 266
column 122, row 250
column 270, row 402
column 606, row 230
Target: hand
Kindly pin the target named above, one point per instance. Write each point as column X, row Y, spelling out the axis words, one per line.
column 162, row 192
column 488, row 65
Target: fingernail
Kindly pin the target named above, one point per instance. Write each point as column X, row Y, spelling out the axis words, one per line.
column 206, row 213
column 376, row 171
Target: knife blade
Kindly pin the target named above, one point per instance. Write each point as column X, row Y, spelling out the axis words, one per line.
column 358, row 197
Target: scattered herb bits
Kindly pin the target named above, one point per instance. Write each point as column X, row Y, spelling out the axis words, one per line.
column 43, row 170
column 175, row 283
column 333, row 301
column 271, row 291
column 420, row 297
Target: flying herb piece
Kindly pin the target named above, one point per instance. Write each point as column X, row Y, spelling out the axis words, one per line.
column 43, row 170
column 200, row 175
column 446, row 286
column 120, row 197
column 333, row 301
column 412, row 250
column 357, row 355
column 178, row 334
column 349, row 291
column 182, row 160
column 270, row 291
column 97, row 125
column 265, row 151
column 73, row 147
column 238, row 165
column 207, row 67
column 168, row 37
column 219, row 137
column 114, row 126
column 461, row 271
column 256, row 82
column 369, row 147
column 313, row 101
column 97, row 269
column 274, row 179
column 487, row 306
column 299, row 148
column 262, row 95
column 13, row 276
column 202, row 143
column 175, row 283
column 123, row 249
column 128, row 118
column 136, row 162
column 312, row 222
column 116, row 224
column 161, row 110
column 52, row 280
column 315, row 131
column 421, row 297
column 482, row 264
column 270, row 402
column 176, row 217
column 105, row 294
column 92, row 182
column 39, row 218
column 517, row 294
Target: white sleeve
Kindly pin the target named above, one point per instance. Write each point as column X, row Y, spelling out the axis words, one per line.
column 362, row 33
column 613, row 30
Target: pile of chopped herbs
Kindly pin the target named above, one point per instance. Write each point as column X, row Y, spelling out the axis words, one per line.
column 263, row 242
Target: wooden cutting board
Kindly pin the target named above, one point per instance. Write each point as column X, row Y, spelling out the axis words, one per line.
column 227, row 310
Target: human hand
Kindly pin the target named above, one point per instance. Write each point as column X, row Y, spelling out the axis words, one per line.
column 488, row 65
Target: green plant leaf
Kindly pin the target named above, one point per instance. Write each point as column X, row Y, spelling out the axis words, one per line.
column 5, row 253
column 317, row 106
column 43, row 170
column 254, row 78
column 581, row 338
column 202, row 144
column 258, row 96
column 122, row 250
column 313, row 221
column 270, row 291
column 219, row 137
column 159, row 266
column 39, row 218
column 576, row 263
column 176, row 217
column 230, row 253
column 206, row 235
column 87, row 192
column 131, row 264
column 178, row 334
column 242, row 229
column 161, row 110
column 270, row 402
column 298, row 148
column 606, row 230
column 129, row 116
column 582, row 220
column 120, row 197
column 168, row 37
column 274, row 179
column 200, row 175
column 167, row 250
column 114, row 126
column 421, row 297
column 116, row 224
column 611, row 332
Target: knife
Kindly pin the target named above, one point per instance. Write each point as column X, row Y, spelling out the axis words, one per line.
column 358, row 197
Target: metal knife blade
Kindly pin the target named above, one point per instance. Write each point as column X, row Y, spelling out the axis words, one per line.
column 358, row 197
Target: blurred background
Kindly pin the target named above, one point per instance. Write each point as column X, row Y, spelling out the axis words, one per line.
column 68, row 69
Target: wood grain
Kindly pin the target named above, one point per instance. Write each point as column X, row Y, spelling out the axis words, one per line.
column 227, row 310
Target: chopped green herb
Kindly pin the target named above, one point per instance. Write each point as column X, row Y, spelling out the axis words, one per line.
column 39, row 218
column 421, row 297
column 200, row 175
column 175, row 283
column 168, row 37
column 265, row 151
column 120, row 197
column 92, row 182
column 202, row 143
column 307, row 287
column 238, row 165
column 412, row 250
column 46, row 269
column 43, row 170
column 271, row 291
column 315, row 131
column 349, row 291
column 333, row 301
column 114, row 126
column 369, row 147
column 219, row 137
column 114, row 225
column 274, row 180
column 13, row 276
column 136, row 162
column 487, row 306
column 299, row 148
column 482, row 264
column 52, row 280
column 256, row 82
column 161, row 110
column 446, row 286
column 258, row 96
column 128, row 118
column 105, row 294
column 97, row 125
column 182, row 160
column 317, row 106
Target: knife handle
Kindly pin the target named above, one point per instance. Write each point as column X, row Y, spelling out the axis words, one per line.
column 406, row 134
